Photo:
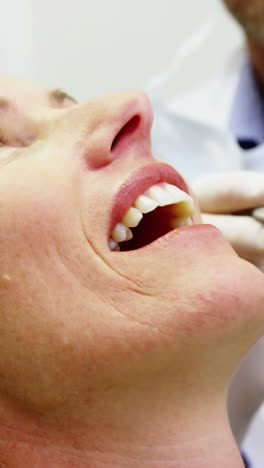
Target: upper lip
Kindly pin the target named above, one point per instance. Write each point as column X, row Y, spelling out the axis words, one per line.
column 138, row 183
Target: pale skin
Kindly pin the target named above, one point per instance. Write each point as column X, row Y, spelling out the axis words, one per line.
column 108, row 359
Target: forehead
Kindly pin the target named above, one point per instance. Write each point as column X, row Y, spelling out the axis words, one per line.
column 13, row 89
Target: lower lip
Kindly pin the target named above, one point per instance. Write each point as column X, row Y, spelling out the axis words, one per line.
column 182, row 238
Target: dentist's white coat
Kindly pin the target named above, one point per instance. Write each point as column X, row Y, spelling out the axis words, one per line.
column 192, row 130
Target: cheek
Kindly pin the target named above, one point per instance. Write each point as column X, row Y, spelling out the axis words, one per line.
column 33, row 212
column 31, row 227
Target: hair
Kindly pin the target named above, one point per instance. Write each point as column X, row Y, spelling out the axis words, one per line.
column 250, row 15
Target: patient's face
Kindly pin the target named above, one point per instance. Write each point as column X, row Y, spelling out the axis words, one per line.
column 76, row 311
column 250, row 14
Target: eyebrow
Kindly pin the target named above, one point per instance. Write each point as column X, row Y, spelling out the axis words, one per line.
column 4, row 104
column 59, row 96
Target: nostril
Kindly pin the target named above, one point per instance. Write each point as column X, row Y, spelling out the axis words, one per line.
column 126, row 131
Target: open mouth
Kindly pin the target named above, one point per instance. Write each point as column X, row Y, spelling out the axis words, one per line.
column 161, row 208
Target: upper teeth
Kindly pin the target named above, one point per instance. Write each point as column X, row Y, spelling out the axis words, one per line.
column 158, row 195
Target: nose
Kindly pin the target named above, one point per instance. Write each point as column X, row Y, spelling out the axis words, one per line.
column 116, row 126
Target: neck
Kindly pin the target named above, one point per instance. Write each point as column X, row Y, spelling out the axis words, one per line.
column 256, row 53
column 188, row 432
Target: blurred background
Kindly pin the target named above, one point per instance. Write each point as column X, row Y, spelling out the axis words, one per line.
column 94, row 47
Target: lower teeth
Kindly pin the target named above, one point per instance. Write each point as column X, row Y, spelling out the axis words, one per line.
column 176, row 223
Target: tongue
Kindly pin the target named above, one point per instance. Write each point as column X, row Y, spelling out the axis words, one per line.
column 152, row 226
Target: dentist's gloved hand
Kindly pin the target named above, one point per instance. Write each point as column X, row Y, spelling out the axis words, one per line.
column 222, row 197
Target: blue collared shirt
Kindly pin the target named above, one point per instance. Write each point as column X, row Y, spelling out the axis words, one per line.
column 247, row 116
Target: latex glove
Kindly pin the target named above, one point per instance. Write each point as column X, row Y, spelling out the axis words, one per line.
column 222, row 195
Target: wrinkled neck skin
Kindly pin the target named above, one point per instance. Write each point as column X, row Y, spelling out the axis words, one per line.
column 145, row 427
column 256, row 53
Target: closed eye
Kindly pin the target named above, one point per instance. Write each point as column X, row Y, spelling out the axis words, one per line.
column 3, row 140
